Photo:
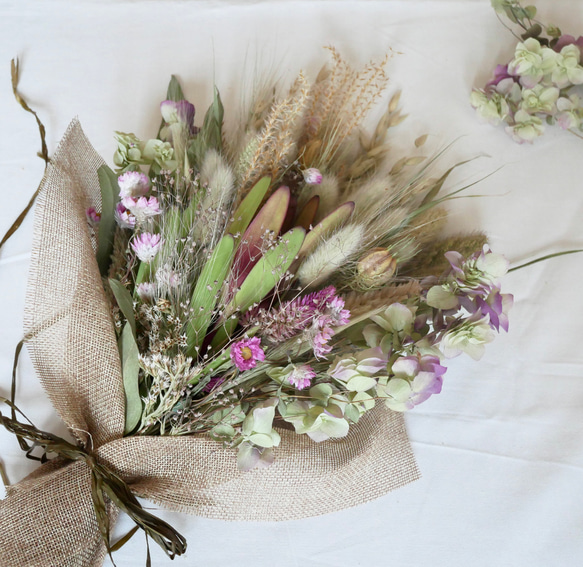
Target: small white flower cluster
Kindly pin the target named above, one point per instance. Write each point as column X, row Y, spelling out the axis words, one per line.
column 534, row 86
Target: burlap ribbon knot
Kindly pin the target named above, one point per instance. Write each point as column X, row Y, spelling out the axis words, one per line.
column 48, row 518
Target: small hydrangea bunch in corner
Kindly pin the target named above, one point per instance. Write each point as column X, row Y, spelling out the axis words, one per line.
column 538, row 85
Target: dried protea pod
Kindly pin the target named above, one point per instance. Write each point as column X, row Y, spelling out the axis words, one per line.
column 376, row 268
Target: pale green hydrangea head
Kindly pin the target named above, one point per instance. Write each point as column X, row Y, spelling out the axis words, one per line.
column 491, row 108
column 531, row 62
column 258, row 436
column 570, row 112
column 391, row 327
column 470, row 337
column 526, row 128
column 128, row 153
column 160, row 153
column 566, row 70
column 356, row 372
column 321, row 417
column 539, row 99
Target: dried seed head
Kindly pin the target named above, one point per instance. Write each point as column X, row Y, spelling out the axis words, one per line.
column 376, row 268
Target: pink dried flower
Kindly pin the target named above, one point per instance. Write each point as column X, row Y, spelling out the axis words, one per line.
column 133, row 184
column 124, row 218
column 245, row 353
column 312, row 176
column 146, row 246
column 146, row 291
column 301, row 376
column 93, row 217
column 142, row 208
column 320, row 341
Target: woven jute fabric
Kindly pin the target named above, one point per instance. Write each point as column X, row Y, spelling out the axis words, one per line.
column 48, row 518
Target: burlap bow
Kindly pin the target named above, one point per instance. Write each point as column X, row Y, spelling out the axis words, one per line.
column 48, row 518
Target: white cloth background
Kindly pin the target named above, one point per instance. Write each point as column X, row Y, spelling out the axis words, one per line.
column 501, row 448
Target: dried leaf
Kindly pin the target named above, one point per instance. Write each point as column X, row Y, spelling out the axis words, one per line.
column 128, row 352
column 394, row 102
column 415, row 160
column 109, row 194
column 396, row 119
column 124, row 301
column 420, row 141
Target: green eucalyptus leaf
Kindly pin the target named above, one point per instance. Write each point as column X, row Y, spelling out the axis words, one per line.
column 128, row 350
column 248, row 207
column 334, row 427
column 361, row 383
column 206, row 291
column 223, row 431
column 268, row 271
column 321, row 392
column 534, row 31
column 261, row 440
column 124, row 301
column 530, row 12
column 109, row 195
column 351, row 413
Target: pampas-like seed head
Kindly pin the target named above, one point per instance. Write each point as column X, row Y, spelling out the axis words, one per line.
column 331, row 255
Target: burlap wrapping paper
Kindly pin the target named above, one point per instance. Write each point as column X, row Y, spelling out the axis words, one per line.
column 48, row 518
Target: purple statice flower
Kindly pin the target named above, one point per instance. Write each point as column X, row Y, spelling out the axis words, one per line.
column 93, row 217
column 133, row 184
column 123, row 217
column 142, row 208
column 301, row 376
column 178, row 112
column 414, row 379
column 312, row 176
column 146, row 246
column 246, row 353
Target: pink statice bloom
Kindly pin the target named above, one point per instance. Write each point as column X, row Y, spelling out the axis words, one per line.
column 123, row 217
column 133, row 184
column 301, row 376
column 246, row 353
column 142, row 208
column 312, row 176
column 146, row 246
column 93, row 217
